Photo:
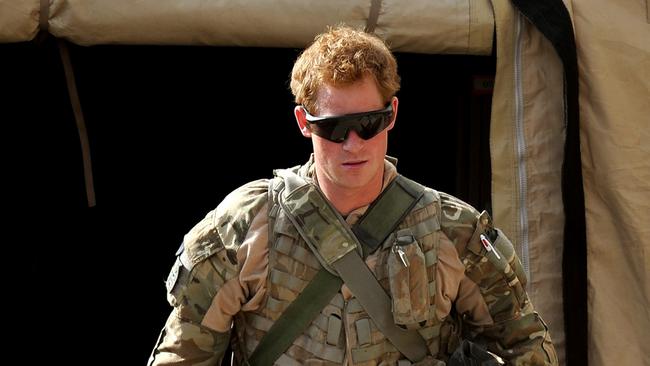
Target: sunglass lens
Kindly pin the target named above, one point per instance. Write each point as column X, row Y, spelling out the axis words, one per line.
column 366, row 125
column 339, row 132
column 369, row 126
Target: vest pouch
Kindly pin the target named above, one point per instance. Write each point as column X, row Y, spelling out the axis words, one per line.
column 409, row 286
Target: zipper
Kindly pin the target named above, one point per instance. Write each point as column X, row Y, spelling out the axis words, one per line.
column 521, row 152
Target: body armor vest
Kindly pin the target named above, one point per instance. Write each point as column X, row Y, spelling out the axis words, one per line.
column 343, row 330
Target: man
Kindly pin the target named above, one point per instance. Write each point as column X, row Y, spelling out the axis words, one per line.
column 341, row 260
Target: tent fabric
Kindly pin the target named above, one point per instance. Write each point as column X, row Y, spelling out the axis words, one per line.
column 553, row 20
column 527, row 124
column 18, row 20
column 527, row 145
column 543, row 135
column 453, row 27
column 613, row 43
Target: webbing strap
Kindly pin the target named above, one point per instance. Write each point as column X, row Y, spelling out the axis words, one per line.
column 383, row 216
column 378, row 305
column 295, row 319
column 373, row 16
column 79, row 119
column 44, row 16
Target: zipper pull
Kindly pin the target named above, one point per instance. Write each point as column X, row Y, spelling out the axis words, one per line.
column 401, row 254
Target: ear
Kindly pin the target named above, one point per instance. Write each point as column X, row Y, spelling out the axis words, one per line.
column 301, row 118
column 394, row 102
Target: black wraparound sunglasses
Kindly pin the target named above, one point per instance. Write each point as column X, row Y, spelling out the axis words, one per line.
column 336, row 128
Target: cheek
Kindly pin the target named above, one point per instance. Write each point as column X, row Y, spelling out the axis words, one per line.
column 380, row 143
column 324, row 150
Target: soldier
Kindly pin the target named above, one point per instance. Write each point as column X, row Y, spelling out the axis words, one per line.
column 342, row 260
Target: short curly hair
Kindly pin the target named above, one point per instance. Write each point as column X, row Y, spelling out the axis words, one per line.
column 342, row 56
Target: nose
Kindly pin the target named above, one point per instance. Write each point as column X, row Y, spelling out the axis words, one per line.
column 353, row 142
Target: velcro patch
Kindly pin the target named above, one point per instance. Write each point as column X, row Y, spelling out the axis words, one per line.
column 173, row 276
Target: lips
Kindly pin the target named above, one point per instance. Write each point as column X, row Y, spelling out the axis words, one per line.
column 354, row 163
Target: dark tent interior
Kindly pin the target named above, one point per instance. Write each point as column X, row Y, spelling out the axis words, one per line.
column 172, row 130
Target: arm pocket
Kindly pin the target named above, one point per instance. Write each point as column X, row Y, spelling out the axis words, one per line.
column 511, row 267
column 408, row 281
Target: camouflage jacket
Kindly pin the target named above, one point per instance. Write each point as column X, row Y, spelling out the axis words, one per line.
column 208, row 260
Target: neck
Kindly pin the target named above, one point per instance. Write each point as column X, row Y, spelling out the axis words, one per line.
column 345, row 199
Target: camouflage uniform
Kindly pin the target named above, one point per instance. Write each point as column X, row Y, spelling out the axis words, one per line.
column 343, row 332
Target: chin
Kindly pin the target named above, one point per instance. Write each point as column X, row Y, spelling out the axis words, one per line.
column 354, row 182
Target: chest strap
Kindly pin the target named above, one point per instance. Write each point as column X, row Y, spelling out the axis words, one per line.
column 388, row 210
column 338, row 249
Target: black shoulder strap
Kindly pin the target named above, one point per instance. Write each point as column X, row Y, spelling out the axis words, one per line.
column 383, row 216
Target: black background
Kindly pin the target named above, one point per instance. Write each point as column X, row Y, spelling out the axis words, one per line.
column 172, row 130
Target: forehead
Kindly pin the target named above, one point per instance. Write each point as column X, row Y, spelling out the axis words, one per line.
column 361, row 96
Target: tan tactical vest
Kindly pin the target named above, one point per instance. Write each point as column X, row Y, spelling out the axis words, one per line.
column 343, row 330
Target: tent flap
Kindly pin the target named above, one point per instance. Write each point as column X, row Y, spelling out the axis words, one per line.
column 614, row 62
column 458, row 27
column 18, row 20
column 527, row 134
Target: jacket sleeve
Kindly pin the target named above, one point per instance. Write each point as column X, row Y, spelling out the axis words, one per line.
column 183, row 340
column 204, row 263
column 517, row 333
